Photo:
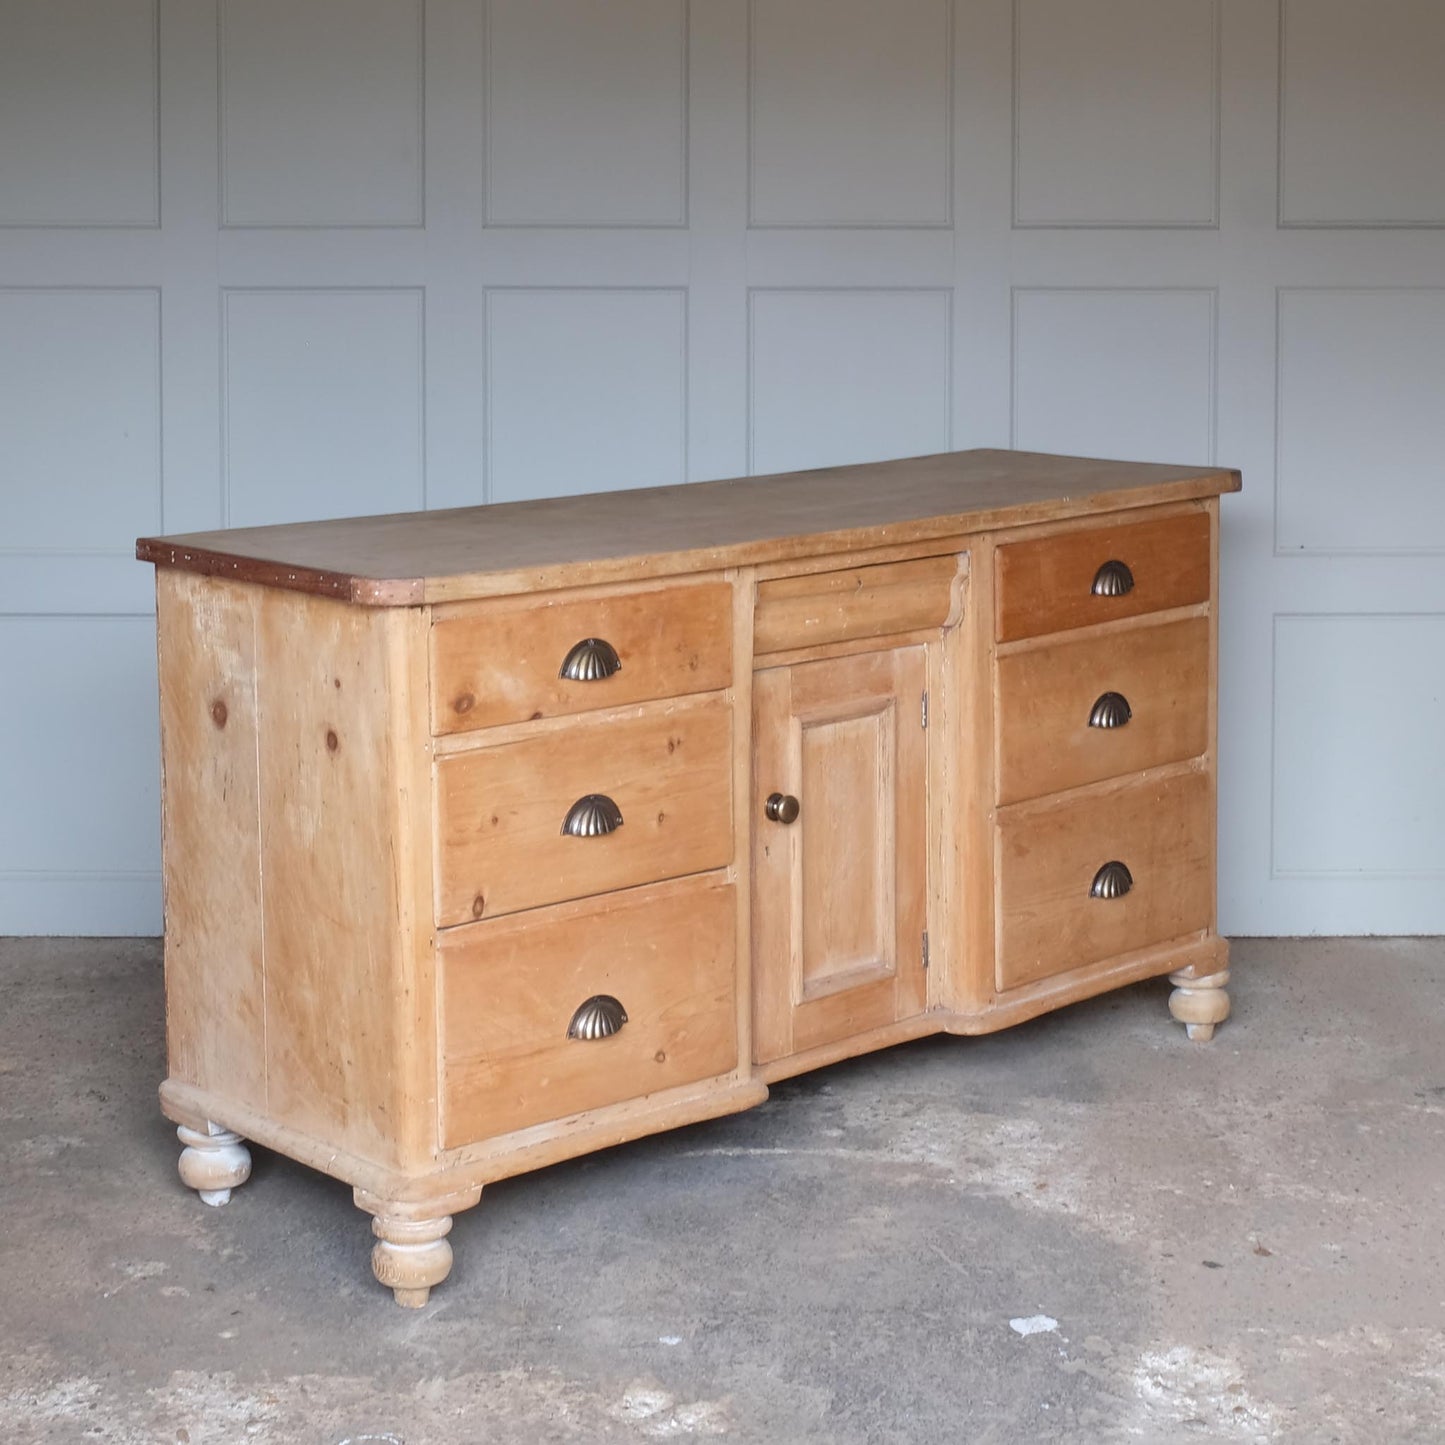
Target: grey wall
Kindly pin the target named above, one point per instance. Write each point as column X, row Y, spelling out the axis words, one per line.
column 263, row 260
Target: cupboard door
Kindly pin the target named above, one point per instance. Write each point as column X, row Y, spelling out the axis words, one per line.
column 839, row 892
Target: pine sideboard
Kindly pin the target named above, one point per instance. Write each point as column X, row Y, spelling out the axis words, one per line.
column 498, row 835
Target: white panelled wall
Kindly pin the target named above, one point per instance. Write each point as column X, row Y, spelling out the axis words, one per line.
column 263, row 260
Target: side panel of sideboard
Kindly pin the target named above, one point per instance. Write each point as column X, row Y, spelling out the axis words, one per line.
column 211, row 838
column 297, row 790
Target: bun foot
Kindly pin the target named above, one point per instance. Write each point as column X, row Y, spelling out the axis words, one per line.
column 213, row 1163
column 1200, row 1004
column 410, row 1256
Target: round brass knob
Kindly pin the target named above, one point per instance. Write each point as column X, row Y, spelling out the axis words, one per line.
column 781, row 807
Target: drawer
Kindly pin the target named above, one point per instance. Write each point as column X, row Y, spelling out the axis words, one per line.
column 501, row 810
column 1049, row 857
column 510, row 990
column 1075, row 712
column 1049, row 585
column 503, row 661
column 876, row 601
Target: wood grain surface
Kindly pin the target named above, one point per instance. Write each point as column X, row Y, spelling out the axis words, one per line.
column 1047, row 585
column 210, row 815
column 499, row 661
column 1157, row 825
column 500, row 809
column 1046, row 696
column 839, row 896
column 510, row 988
column 857, row 602
column 533, row 546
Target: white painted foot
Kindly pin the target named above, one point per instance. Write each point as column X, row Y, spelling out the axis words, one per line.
column 213, row 1163
column 1200, row 1004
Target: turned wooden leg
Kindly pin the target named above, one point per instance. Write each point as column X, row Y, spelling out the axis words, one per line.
column 412, row 1253
column 1200, row 1004
column 214, row 1162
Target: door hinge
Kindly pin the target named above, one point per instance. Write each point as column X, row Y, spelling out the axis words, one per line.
column 925, row 949
column 923, row 710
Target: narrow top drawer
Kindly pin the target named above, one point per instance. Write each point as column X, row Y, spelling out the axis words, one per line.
column 1101, row 575
column 873, row 601
column 523, row 658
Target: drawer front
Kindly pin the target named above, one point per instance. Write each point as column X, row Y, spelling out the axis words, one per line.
column 501, row 810
column 1077, row 712
column 1049, row 585
column 510, row 990
column 1161, row 831
column 879, row 601
column 502, row 662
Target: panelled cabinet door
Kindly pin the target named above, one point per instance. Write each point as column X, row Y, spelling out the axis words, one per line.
column 840, row 839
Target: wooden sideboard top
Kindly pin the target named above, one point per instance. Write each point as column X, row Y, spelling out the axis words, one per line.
column 415, row 557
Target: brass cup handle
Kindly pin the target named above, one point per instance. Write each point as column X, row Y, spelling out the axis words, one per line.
column 590, row 660
column 591, row 816
column 598, row 1017
column 782, row 808
column 1113, row 579
column 1110, row 710
column 1113, row 880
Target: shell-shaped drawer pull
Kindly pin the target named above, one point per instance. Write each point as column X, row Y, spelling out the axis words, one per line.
column 590, row 660
column 598, row 1017
column 1113, row 579
column 1113, row 880
column 592, row 816
column 1110, row 710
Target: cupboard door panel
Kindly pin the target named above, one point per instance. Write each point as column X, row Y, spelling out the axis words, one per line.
column 839, row 893
column 846, row 862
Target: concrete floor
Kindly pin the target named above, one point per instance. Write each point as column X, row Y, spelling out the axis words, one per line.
column 1239, row 1242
